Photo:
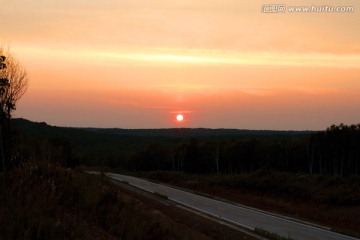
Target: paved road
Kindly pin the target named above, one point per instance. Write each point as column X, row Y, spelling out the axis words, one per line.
column 245, row 217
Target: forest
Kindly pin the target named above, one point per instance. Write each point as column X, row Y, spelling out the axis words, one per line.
column 334, row 151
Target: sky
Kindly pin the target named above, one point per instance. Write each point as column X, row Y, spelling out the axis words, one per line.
column 219, row 63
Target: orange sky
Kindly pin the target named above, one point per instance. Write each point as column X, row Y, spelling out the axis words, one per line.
column 223, row 64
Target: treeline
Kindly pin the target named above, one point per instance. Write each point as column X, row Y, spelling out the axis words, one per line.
column 193, row 132
column 334, row 152
column 55, row 150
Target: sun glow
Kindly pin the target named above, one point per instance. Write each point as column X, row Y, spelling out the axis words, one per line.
column 179, row 117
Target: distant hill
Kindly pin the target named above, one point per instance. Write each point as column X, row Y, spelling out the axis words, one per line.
column 37, row 129
column 192, row 132
column 124, row 148
column 161, row 132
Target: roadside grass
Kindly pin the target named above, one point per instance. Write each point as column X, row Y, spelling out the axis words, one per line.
column 162, row 196
column 346, row 232
column 271, row 235
column 42, row 201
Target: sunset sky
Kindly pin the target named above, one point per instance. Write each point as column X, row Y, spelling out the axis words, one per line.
column 220, row 63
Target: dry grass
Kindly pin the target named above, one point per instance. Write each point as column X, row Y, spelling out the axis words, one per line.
column 40, row 201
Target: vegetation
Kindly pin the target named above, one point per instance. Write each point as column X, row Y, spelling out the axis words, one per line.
column 13, row 84
column 270, row 235
column 307, row 175
column 333, row 152
column 42, row 201
column 161, row 195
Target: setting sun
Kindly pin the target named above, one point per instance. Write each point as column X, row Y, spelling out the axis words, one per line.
column 179, row 118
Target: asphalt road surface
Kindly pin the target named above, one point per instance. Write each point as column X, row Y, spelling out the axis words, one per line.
column 245, row 217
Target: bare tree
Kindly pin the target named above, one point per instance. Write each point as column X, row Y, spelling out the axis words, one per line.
column 13, row 85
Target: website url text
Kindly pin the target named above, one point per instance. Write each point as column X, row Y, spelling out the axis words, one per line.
column 282, row 8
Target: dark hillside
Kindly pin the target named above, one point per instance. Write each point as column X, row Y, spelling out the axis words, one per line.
column 199, row 132
column 41, row 201
column 333, row 152
column 121, row 148
column 43, row 128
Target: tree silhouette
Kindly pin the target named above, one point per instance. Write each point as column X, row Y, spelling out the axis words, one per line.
column 13, row 85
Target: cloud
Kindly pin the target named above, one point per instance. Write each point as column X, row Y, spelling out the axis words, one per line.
column 198, row 57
